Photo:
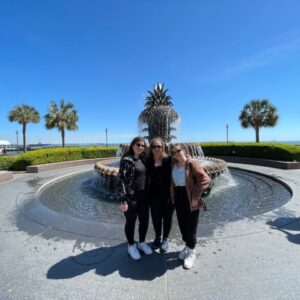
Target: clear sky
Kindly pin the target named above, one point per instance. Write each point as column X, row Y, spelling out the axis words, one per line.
column 214, row 56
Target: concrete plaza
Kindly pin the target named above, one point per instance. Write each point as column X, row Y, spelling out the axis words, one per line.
column 45, row 255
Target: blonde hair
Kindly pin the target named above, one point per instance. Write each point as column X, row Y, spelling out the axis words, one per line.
column 163, row 144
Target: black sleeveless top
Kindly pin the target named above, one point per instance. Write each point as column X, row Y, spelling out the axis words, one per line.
column 159, row 177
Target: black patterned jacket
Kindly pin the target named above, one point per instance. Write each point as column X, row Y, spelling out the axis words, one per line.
column 126, row 187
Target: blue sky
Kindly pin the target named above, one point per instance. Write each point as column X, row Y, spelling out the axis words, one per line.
column 214, row 56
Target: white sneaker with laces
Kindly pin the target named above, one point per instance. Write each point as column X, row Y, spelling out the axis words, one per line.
column 144, row 247
column 182, row 254
column 134, row 252
column 164, row 246
column 189, row 259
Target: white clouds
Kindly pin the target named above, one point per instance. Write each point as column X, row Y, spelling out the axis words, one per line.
column 265, row 57
column 279, row 51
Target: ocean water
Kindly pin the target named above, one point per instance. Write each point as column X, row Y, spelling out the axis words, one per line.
column 287, row 142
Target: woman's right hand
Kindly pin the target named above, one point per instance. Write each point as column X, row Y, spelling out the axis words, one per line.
column 124, row 207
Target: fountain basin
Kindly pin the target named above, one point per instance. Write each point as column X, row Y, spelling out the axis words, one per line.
column 87, row 197
column 213, row 166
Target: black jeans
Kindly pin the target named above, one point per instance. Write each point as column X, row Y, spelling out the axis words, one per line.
column 187, row 219
column 138, row 207
column 162, row 211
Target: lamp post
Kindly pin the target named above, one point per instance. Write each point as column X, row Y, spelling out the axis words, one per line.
column 106, row 136
column 227, row 126
column 17, row 133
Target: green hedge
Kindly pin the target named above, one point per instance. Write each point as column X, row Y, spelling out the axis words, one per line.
column 45, row 156
column 283, row 152
column 6, row 162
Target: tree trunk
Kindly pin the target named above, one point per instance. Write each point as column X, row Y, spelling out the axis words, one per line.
column 24, row 138
column 257, row 134
column 63, row 137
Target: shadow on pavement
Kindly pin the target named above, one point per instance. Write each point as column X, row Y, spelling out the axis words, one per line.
column 108, row 260
column 285, row 225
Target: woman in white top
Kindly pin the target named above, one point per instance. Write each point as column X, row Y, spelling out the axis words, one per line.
column 189, row 181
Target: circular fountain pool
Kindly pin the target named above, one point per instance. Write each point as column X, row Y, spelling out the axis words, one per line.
column 86, row 196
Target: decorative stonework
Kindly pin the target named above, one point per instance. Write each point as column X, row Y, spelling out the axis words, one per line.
column 103, row 167
column 213, row 166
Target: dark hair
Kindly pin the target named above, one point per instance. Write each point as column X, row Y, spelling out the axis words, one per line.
column 152, row 142
column 130, row 151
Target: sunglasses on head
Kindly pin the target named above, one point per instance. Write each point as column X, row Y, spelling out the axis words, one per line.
column 156, row 146
column 140, row 145
column 176, row 151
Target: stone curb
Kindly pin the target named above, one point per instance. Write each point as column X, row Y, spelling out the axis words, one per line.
column 61, row 165
column 286, row 165
column 4, row 176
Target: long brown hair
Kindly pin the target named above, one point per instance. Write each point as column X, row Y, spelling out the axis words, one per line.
column 130, row 151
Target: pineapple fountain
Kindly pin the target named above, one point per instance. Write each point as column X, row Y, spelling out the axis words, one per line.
column 157, row 120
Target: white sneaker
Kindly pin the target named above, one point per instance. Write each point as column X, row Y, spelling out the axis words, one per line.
column 189, row 259
column 164, row 246
column 144, row 247
column 134, row 252
column 182, row 254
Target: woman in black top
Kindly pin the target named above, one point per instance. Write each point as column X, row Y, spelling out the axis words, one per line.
column 132, row 175
column 159, row 182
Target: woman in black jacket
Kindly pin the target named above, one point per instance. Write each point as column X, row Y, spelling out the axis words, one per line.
column 159, row 182
column 133, row 175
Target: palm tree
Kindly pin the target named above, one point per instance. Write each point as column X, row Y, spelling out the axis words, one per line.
column 257, row 114
column 24, row 114
column 158, row 116
column 62, row 117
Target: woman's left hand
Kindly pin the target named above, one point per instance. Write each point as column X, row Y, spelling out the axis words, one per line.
column 195, row 203
column 124, row 207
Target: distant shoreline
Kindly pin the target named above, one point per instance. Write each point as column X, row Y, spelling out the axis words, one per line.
column 12, row 147
column 296, row 143
column 91, row 145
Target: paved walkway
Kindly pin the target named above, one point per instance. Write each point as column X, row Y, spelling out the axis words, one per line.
column 254, row 258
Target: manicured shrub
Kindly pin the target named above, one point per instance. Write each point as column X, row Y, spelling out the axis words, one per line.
column 98, row 152
column 45, row 156
column 6, row 162
column 282, row 152
column 20, row 164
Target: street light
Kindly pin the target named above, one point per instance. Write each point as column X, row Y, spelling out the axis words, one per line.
column 17, row 133
column 106, row 136
column 227, row 126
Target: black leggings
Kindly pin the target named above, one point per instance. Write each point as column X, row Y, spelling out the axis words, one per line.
column 139, row 207
column 162, row 211
column 187, row 219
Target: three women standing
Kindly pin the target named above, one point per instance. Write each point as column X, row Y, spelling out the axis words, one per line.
column 181, row 183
